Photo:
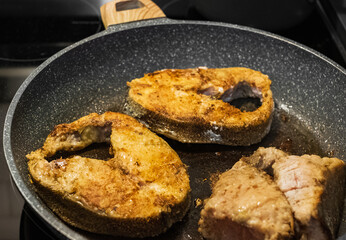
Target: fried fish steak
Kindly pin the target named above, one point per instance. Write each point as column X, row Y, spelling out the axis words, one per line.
column 193, row 105
column 246, row 204
column 139, row 192
column 314, row 187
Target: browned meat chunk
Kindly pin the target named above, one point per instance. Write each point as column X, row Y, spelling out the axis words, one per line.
column 246, row 204
column 264, row 158
column 314, row 187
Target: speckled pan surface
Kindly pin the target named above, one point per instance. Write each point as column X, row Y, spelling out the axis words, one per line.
column 91, row 76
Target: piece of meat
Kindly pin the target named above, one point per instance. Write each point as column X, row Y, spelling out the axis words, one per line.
column 264, row 158
column 246, row 204
column 193, row 105
column 314, row 187
column 139, row 192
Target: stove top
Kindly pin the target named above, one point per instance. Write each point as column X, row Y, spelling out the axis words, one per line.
column 34, row 30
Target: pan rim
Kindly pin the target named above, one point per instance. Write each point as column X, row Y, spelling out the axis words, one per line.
column 19, row 181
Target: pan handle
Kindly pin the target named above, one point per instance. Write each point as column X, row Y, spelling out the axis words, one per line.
column 122, row 11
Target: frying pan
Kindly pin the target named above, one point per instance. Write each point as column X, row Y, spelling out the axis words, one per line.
column 91, row 75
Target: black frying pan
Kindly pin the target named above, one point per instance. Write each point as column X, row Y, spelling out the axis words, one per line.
column 91, row 75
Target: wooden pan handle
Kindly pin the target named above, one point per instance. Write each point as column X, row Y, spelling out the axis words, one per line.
column 121, row 11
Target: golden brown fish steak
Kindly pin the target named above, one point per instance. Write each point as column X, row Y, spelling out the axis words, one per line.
column 192, row 105
column 139, row 192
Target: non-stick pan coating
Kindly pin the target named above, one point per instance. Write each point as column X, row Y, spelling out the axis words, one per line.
column 90, row 76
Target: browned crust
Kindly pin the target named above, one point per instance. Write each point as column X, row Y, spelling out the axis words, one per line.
column 78, row 216
column 195, row 132
column 140, row 192
column 196, row 118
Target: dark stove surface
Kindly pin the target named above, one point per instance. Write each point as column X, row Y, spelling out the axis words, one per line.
column 33, row 227
column 34, row 30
